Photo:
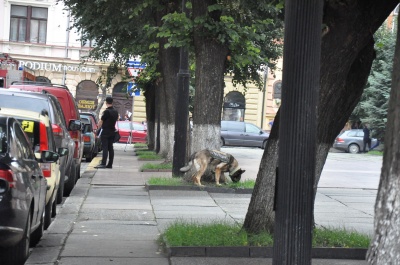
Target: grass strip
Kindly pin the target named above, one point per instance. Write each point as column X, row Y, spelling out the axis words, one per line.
column 140, row 145
column 149, row 156
column 157, row 166
column 145, row 152
column 220, row 233
column 163, row 181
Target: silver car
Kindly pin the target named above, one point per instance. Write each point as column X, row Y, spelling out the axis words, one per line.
column 352, row 141
column 238, row 133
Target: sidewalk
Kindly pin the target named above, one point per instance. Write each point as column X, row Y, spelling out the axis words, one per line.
column 110, row 218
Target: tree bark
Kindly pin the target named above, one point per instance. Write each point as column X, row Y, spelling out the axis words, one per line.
column 150, row 97
column 385, row 246
column 210, row 66
column 346, row 58
column 169, row 64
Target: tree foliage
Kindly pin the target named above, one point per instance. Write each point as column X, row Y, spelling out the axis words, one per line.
column 373, row 106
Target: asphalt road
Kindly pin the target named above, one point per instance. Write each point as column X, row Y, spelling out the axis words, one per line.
column 341, row 170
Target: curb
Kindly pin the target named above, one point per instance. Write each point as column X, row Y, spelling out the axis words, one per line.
column 263, row 252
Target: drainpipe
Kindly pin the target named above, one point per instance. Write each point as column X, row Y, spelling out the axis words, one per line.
column 66, row 46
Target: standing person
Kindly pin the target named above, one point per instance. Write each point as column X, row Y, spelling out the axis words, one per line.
column 366, row 138
column 107, row 125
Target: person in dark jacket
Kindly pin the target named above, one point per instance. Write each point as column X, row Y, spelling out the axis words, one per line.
column 107, row 125
column 366, row 139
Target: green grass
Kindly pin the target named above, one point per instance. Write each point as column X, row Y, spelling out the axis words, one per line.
column 339, row 238
column 219, row 233
column 377, row 153
column 246, row 184
column 145, row 152
column 157, row 166
column 216, row 234
column 149, row 156
column 140, row 145
column 163, row 181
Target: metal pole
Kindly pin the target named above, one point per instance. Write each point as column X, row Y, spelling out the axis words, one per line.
column 297, row 134
column 66, row 47
column 263, row 98
column 181, row 110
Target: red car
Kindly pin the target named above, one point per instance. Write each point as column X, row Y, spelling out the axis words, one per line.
column 131, row 132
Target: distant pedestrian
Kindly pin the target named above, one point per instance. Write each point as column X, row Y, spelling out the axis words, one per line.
column 366, row 138
column 107, row 125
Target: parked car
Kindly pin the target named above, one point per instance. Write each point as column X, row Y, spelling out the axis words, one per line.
column 131, row 132
column 43, row 101
column 94, row 120
column 90, row 148
column 351, row 141
column 39, row 130
column 71, row 114
column 22, row 192
column 238, row 133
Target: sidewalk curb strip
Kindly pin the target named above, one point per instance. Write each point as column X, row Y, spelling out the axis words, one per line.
column 264, row 252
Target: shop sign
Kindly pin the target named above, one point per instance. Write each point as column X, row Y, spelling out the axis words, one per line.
column 87, row 104
column 56, row 67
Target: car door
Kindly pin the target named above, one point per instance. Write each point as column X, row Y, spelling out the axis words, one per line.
column 253, row 136
column 232, row 132
column 139, row 132
column 23, row 155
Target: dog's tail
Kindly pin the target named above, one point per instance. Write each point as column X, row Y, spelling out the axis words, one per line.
column 187, row 167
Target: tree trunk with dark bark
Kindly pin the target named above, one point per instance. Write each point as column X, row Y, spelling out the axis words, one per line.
column 385, row 246
column 150, row 97
column 210, row 61
column 346, row 58
column 169, row 64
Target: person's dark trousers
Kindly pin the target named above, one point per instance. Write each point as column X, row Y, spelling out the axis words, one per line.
column 367, row 142
column 108, row 150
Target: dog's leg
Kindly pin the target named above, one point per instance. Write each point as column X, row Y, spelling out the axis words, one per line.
column 200, row 171
column 218, row 170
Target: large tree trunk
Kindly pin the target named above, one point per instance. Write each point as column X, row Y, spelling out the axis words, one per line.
column 347, row 54
column 150, row 97
column 169, row 63
column 210, row 61
column 385, row 246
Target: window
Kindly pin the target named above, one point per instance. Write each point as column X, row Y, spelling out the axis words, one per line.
column 89, row 43
column 277, row 89
column 28, row 24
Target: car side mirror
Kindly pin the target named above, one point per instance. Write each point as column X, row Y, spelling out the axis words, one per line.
column 74, row 125
column 48, row 157
column 87, row 128
column 62, row 151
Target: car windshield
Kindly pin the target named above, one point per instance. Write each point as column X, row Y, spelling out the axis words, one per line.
column 25, row 103
column 130, row 126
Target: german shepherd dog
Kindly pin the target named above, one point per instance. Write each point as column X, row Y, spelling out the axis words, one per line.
column 218, row 162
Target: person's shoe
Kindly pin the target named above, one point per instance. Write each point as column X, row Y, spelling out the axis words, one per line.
column 100, row 166
column 108, row 166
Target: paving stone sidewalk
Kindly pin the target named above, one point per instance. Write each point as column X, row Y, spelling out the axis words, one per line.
column 110, row 218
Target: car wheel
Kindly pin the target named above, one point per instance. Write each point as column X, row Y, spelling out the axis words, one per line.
column 48, row 214
column 222, row 142
column 38, row 233
column 60, row 191
column 264, row 144
column 78, row 172
column 354, row 149
column 54, row 209
column 69, row 185
column 20, row 252
column 89, row 157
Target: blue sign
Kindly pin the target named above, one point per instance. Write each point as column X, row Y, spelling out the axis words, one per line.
column 135, row 64
column 133, row 90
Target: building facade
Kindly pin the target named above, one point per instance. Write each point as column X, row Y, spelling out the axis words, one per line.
column 35, row 34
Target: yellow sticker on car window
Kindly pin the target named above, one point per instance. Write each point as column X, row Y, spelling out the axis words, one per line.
column 27, row 126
